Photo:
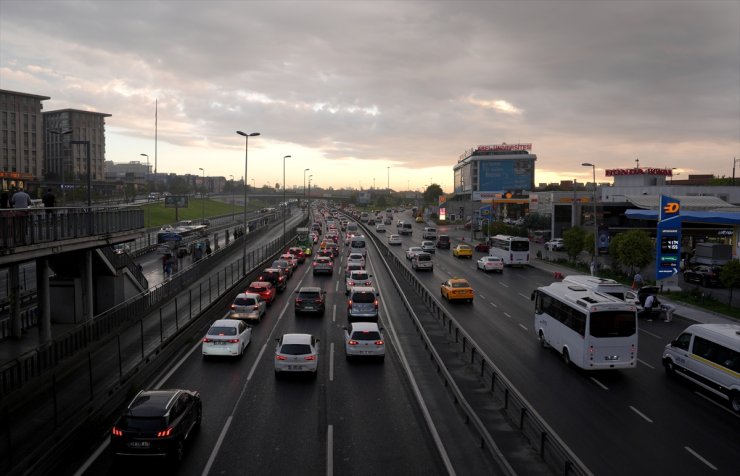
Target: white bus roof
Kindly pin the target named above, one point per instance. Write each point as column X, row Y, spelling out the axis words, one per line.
column 583, row 297
column 509, row 237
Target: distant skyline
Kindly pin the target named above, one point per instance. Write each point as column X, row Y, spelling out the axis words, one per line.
column 349, row 89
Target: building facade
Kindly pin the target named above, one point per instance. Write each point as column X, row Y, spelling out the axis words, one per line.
column 66, row 161
column 133, row 171
column 488, row 171
column 22, row 146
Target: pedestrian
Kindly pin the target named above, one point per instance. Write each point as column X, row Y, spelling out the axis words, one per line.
column 20, row 199
column 164, row 264
column 208, row 250
column 49, row 200
column 4, row 199
column 647, row 311
column 637, row 281
column 668, row 309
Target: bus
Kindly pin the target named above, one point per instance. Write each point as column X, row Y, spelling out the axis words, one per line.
column 514, row 250
column 594, row 331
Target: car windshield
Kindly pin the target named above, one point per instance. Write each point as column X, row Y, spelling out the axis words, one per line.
column 460, row 284
column 245, row 301
column 519, row 245
column 423, row 257
column 463, row 247
column 363, row 297
column 444, row 238
column 366, row 335
column 309, row 295
column 132, row 423
column 360, row 276
column 222, row 331
column 612, row 324
column 295, row 349
column 257, row 289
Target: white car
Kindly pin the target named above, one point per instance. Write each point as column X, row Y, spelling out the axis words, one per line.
column 380, row 228
column 364, row 339
column 249, row 306
column 356, row 258
column 411, row 251
column 297, row 353
column 357, row 278
column 226, row 337
column 555, row 244
column 491, row 263
column 394, row 240
column 428, row 246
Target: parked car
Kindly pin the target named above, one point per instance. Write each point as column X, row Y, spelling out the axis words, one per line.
column 248, row 306
column 455, row 289
column 703, row 275
column 462, row 251
column 310, row 299
column 297, row 353
column 265, row 289
column 364, row 339
column 556, row 244
column 226, row 337
column 491, row 263
column 157, row 423
column 443, row 242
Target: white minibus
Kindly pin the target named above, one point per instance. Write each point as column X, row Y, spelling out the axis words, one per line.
column 358, row 245
column 514, row 250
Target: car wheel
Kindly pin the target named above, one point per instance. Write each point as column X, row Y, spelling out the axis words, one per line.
column 178, row 452
column 543, row 342
column 670, row 368
column 566, row 357
column 735, row 401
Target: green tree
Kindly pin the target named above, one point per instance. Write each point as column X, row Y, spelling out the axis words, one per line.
column 633, row 249
column 574, row 240
column 536, row 221
column 432, row 193
column 730, row 276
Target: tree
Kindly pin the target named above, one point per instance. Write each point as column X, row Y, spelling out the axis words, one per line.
column 633, row 249
column 574, row 240
column 730, row 276
column 536, row 221
column 432, row 193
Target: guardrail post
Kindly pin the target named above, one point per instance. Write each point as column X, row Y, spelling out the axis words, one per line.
column 543, row 437
column 120, row 361
column 54, row 398
column 161, row 329
column 141, row 328
column 522, row 413
column 190, row 303
column 90, row 372
column 177, row 323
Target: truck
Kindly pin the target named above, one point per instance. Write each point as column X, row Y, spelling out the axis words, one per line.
column 712, row 254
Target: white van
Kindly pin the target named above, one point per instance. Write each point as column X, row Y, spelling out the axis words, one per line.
column 358, row 245
column 605, row 286
column 708, row 355
column 422, row 261
column 429, row 233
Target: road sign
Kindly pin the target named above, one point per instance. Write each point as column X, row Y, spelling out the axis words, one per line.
column 668, row 242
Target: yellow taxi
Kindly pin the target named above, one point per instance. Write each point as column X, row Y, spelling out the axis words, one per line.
column 457, row 288
column 419, row 219
column 462, row 251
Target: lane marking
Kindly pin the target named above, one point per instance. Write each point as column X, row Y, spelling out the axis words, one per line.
column 494, row 304
column 336, row 286
column 219, row 442
column 523, row 326
column 650, row 333
column 599, row 384
column 641, row 414
column 334, row 313
column 481, row 296
column 330, row 451
column 331, row 362
column 645, row 364
column 507, row 314
column 525, row 297
column 503, row 284
column 700, row 458
column 723, row 407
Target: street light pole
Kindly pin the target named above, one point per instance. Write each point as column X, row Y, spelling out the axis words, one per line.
column 734, row 161
column 388, row 185
column 596, row 237
column 246, row 151
column 232, row 197
column 202, row 198
column 304, row 183
column 146, row 179
column 285, row 204
column 309, row 199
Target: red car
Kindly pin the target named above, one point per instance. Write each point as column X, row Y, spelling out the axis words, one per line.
column 298, row 253
column 482, row 247
column 265, row 289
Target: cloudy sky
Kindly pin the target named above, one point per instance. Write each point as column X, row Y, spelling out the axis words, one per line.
column 350, row 88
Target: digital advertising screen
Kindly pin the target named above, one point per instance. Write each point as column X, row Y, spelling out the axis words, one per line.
column 510, row 174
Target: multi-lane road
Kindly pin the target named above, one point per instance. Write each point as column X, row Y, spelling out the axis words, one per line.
column 367, row 417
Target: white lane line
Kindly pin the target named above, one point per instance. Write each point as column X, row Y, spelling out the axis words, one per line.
column 336, row 286
column 525, row 297
column 645, row 417
column 494, row 304
column 334, row 313
column 507, row 314
column 599, row 384
column 645, row 364
column 523, row 326
column 330, row 451
column 651, row 334
column 481, row 296
column 331, row 362
column 723, row 407
column 700, row 458
column 219, row 442
column 503, row 284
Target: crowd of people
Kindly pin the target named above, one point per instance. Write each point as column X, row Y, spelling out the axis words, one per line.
column 20, row 199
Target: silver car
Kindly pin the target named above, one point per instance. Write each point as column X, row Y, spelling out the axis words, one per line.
column 428, row 246
column 226, row 337
column 248, row 306
column 297, row 353
column 362, row 304
column 357, row 278
column 364, row 339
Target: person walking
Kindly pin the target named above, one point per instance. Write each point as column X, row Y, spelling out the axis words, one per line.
column 49, row 200
column 637, row 281
column 668, row 309
column 20, row 199
column 650, row 303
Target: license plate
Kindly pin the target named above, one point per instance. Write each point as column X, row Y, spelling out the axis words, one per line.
column 139, row 444
column 219, row 342
column 308, row 308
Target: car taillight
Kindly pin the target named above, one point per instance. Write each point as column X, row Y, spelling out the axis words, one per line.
column 116, row 432
column 163, row 433
column 351, row 283
column 314, row 263
column 280, row 357
column 376, row 304
column 310, row 357
column 379, row 342
column 349, row 303
column 233, row 306
column 319, row 301
column 297, row 300
column 206, row 339
column 233, row 341
column 280, row 279
column 353, row 342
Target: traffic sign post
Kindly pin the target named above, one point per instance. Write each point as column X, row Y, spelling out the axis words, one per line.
column 668, row 243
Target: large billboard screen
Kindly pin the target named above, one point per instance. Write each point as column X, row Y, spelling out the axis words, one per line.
column 176, row 201
column 509, row 174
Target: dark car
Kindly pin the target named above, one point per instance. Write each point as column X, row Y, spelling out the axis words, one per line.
column 310, row 299
column 298, row 252
column 703, row 275
column 484, row 247
column 443, row 242
column 276, row 276
column 157, row 423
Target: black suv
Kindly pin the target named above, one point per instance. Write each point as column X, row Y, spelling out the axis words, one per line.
column 157, row 423
column 310, row 299
column 276, row 276
column 443, row 241
column 703, row 275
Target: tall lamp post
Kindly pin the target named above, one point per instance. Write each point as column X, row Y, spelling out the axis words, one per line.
column 304, row 183
column 146, row 179
column 232, row 197
column 596, row 236
column 246, row 151
column 202, row 198
column 388, row 184
column 734, row 161
column 62, row 134
column 309, row 199
column 285, row 204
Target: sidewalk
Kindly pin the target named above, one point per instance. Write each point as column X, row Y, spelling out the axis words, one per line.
column 686, row 311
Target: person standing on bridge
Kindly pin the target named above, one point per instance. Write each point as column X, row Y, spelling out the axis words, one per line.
column 20, row 199
column 49, row 200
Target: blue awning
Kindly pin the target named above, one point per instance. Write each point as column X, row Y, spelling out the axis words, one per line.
column 722, row 218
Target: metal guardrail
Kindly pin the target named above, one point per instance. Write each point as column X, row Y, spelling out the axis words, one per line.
column 550, row 447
